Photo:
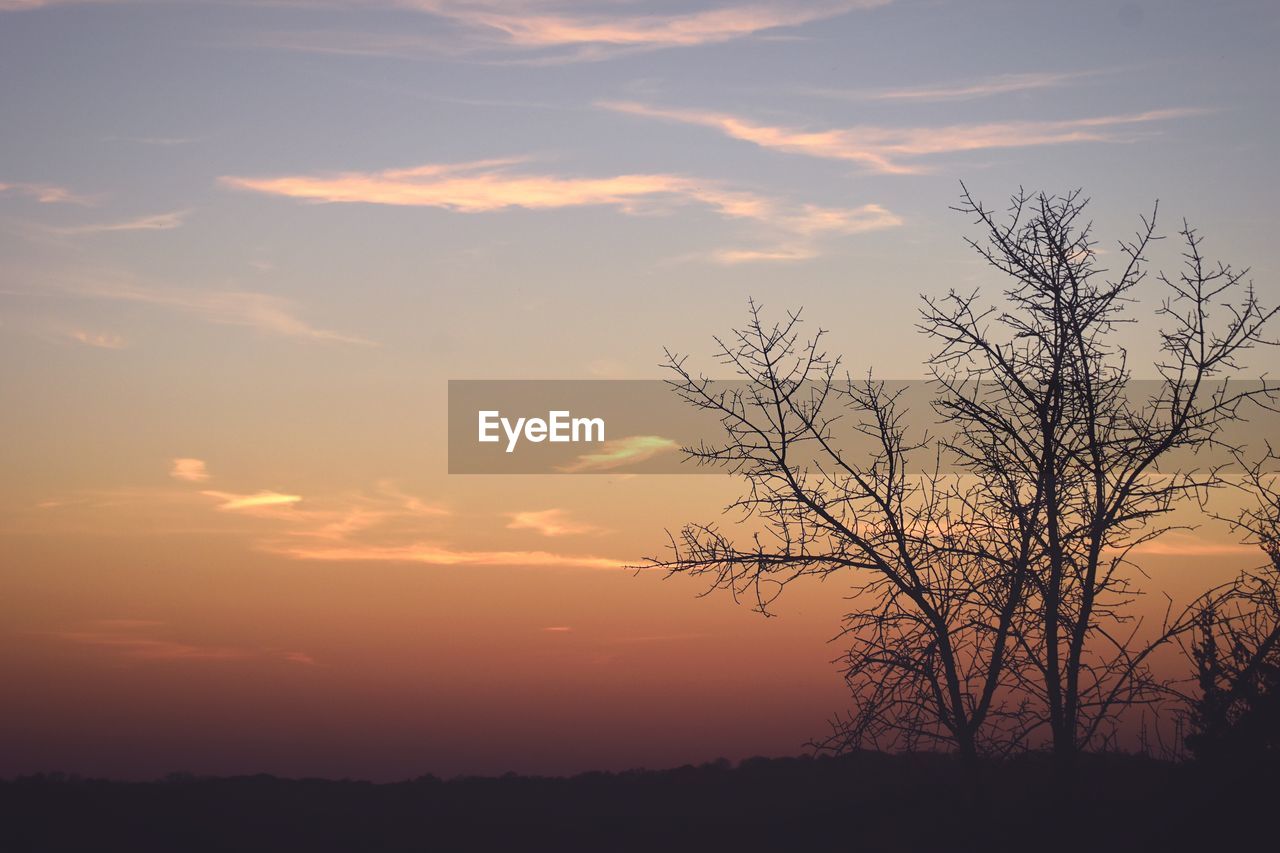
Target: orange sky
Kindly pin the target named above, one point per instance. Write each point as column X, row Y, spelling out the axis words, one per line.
column 247, row 245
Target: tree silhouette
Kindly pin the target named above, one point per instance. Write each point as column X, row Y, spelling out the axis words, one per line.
column 991, row 564
column 1235, row 647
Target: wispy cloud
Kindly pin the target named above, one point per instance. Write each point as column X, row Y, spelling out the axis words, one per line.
column 231, row 502
column 98, row 340
column 746, row 256
column 24, row 5
column 659, row 30
column 493, row 185
column 986, row 87
column 131, row 642
column 154, row 222
column 382, row 525
column 552, row 32
column 564, row 31
column 261, row 311
column 189, row 470
column 45, row 193
column 123, row 498
column 796, row 235
column 385, row 527
column 549, row 522
column 1180, row 544
column 146, row 640
column 890, row 150
column 387, row 513
column 620, row 453
column 435, row 554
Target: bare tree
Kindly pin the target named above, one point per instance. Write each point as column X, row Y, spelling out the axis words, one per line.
column 1042, row 393
column 1235, row 647
column 924, row 666
column 990, row 565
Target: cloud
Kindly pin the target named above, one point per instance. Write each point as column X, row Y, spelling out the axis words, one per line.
column 261, row 311
column 189, row 470
column 543, row 32
column 31, row 5
column 258, row 500
column 384, row 527
column 301, row 658
column 746, row 256
column 150, row 648
column 1001, row 84
column 621, row 452
column 558, row 629
column 888, row 150
column 489, row 185
column 706, row 26
column 145, row 640
column 1175, row 544
column 45, row 193
column 100, row 340
column 24, row 5
column 388, row 514
column 492, row 185
column 433, row 554
column 797, row 236
column 548, row 522
column 154, row 222
column 127, row 498
column 561, row 32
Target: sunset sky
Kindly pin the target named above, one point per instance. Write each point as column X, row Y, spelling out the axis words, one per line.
column 246, row 244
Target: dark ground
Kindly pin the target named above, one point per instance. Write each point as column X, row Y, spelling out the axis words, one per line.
column 861, row 802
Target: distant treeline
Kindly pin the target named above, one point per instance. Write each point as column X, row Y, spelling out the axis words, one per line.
column 861, row 801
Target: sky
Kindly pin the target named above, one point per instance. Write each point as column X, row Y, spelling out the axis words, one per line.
column 246, row 245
